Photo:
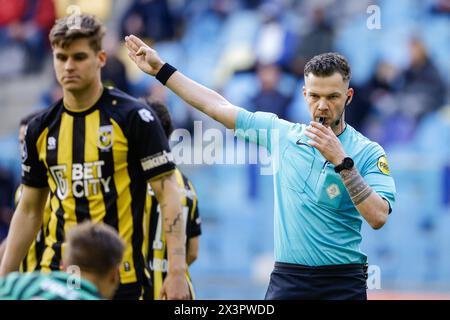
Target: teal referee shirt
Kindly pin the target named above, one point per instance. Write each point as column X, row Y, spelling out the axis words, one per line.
column 316, row 222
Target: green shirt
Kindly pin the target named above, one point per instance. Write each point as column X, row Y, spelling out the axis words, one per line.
column 51, row 286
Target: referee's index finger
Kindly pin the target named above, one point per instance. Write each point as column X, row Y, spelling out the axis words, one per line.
column 131, row 45
column 318, row 125
column 137, row 42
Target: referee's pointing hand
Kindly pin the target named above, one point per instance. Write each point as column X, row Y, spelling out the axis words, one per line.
column 145, row 57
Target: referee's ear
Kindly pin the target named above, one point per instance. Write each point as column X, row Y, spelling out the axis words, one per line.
column 350, row 93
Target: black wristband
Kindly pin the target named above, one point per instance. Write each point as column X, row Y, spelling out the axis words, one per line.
column 165, row 72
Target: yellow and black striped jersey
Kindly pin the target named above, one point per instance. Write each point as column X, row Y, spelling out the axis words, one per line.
column 32, row 260
column 155, row 241
column 97, row 164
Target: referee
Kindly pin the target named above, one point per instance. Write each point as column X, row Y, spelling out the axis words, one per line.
column 95, row 151
column 328, row 177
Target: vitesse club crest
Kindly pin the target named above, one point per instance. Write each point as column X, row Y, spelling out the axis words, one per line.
column 383, row 165
column 105, row 138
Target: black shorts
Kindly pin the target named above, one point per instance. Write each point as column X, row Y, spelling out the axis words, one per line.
column 336, row 282
column 132, row 291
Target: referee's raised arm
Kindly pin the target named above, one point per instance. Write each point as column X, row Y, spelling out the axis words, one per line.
column 198, row 96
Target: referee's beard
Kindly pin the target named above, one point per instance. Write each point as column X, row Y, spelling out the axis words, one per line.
column 338, row 125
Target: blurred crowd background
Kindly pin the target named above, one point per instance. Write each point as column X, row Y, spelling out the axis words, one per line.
column 253, row 52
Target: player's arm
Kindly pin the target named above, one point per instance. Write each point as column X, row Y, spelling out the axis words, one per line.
column 169, row 198
column 195, row 230
column 369, row 204
column 200, row 97
column 25, row 225
column 192, row 251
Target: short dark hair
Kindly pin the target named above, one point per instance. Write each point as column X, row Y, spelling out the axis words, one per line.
column 326, row 64
column 63, row 33
column 163, row 115
column 94, row 248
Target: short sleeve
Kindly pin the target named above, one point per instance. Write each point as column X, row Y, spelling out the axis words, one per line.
column 150, row 143
column 377, row 174
column 34, row 172
column 263, row 128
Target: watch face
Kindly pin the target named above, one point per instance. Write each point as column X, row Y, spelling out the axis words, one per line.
column 348, row 163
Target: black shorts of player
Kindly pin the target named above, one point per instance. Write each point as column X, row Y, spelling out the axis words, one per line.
column 132, row 291
column 335, row 282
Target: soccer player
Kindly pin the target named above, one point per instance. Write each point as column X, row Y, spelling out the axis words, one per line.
column 96, row 150
column 31, row 262
column 91, row 262
column 327, row 177
column 155, row 240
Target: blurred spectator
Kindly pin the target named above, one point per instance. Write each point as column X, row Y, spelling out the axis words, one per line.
column 50, row 96
column 54, row 94
column 251, row 4
column 440, row 7
column 446, row 187
column 26, row 23
column 400, row 101
column 269, row 98
column 150, row 19
column 317, row 39
column 273, row 39
column 181, row 117
column 419, row 90
column 385, row 119
column 223, row 8
column 114, row 72
column 421, row 86
column 158, row 92
column 374, row 100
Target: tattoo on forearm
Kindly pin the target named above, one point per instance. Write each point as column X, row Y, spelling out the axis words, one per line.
column 174, row 226
column 357, row 188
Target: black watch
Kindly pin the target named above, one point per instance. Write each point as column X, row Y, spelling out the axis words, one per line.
column 346, row 164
